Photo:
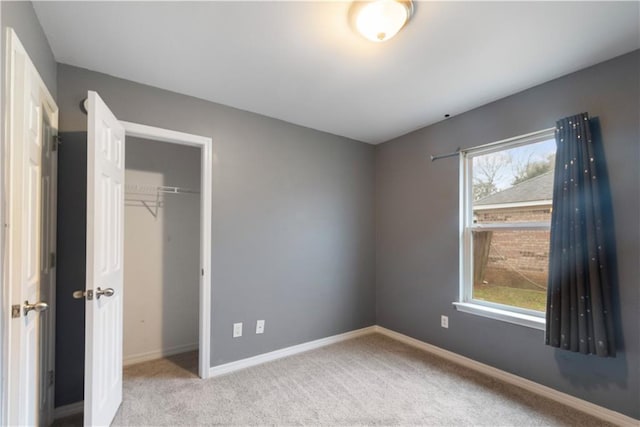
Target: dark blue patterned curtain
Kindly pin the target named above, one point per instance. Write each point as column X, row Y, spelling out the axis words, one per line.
column 579, row 314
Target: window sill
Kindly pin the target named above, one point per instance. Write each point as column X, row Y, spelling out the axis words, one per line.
column 503, row 315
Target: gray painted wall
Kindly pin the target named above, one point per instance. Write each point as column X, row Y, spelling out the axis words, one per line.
column 293, row 225
column 417, row 233
column 71, row 271
column 21, row 16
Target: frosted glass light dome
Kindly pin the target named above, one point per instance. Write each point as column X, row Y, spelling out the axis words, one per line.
column 379, row 20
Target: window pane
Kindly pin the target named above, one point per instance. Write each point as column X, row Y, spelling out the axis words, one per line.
column 507, row 181
column 511, row 267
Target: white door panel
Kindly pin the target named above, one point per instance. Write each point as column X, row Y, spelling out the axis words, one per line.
column 105, row 230
column 27, row 100
column 31, row 192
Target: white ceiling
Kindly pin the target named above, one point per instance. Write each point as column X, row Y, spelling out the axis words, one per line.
column 301, row 62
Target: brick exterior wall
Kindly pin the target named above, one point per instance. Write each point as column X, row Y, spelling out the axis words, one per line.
column 517, row 257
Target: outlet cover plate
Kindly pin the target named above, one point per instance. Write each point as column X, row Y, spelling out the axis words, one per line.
column 237, row 330
column 444, row 321
column 260, row 327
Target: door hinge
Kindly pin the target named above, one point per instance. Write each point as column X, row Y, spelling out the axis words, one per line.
column 56, row 141
column 16, row 311
column 51, row 378
column 52, row 260
column 202, row 271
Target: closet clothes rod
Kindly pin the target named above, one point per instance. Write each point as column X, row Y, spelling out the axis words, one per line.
column 177, row 190
column 151, row 206
column 142, row 189
column 148, row 196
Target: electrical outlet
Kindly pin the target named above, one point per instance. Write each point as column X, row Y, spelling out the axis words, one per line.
column 260, row 327
column 237, row 330
column 444, row 321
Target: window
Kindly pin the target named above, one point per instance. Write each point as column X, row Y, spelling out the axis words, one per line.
column 506, row 203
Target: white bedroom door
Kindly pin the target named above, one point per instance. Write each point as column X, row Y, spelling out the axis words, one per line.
column 103, row 293
column 28, row 98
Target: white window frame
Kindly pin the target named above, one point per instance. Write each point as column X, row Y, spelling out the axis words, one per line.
column 466, row 303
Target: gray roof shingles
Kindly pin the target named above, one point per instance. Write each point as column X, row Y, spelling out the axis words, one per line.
column 537, row 188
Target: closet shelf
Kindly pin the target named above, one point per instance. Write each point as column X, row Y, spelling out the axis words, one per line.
column 145, row 189
column 151, row 196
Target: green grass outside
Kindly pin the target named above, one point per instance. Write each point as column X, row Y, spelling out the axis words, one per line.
column 524, row 298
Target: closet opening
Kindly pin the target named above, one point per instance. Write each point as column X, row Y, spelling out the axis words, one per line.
column 167, row 251
column 161, row 255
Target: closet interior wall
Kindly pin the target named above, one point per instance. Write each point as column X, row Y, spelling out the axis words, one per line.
column 161, row 250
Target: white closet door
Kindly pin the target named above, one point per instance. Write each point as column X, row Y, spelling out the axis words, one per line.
column 105, row 231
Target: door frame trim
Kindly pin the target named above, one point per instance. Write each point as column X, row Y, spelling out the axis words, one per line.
column 52, row 284
column 206, row 187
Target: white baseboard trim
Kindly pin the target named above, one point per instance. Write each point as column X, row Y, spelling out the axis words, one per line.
column 284, row 352
column 157, row 354
column 539, row 389
column 68, row 410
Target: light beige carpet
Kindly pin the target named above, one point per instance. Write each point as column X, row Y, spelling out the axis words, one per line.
column 371, row 380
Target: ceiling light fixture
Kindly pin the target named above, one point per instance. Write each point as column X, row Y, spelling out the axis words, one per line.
column 379, row 20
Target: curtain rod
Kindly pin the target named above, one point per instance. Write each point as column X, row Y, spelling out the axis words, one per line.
column 531, row 135
column 444, row 156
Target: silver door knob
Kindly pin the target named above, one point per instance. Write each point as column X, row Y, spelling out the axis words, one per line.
column 106, row 292
column 36, row 306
